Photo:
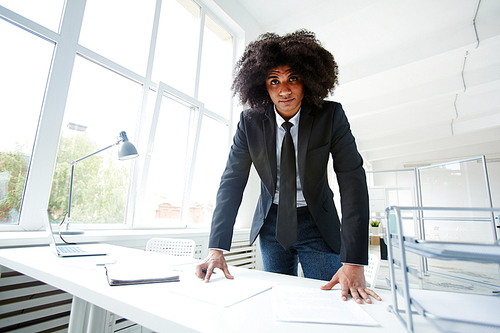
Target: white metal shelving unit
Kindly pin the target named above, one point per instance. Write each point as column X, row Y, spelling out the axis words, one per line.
column 448, row 311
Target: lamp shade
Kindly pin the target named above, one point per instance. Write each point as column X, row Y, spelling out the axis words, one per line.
column 127, row 151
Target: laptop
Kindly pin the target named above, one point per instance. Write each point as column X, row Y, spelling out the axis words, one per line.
column 71, row 250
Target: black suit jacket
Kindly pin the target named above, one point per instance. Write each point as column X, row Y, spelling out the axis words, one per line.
column 322, row 131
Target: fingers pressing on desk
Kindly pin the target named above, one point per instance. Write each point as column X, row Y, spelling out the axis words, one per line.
column 214, row 260
column 352, row 281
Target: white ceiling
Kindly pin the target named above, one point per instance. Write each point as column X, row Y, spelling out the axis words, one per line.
column 416, row 84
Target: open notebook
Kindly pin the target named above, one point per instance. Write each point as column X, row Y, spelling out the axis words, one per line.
column 71, row 250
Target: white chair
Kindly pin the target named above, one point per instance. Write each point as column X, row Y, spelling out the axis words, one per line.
column 371, row 271
column 172, row 246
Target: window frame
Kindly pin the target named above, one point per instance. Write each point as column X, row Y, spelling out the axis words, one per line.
column 33, row 214
column 166, row 91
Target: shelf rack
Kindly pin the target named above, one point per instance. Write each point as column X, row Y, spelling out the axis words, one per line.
column 423, row 302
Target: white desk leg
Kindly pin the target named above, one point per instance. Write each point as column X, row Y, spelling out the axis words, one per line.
column 77, row 315
column 88, row 318
column 100, row 320
column 110, row 322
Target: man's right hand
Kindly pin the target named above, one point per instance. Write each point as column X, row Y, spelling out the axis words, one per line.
column 214, row 260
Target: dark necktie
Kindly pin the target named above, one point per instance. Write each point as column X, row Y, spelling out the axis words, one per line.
column 286, row 228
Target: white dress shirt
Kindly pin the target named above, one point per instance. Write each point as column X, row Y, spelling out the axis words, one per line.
column 280, row 134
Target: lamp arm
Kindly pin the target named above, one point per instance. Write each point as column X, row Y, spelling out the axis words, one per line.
column 73, row 171
column 97, row 152
column 68, row 214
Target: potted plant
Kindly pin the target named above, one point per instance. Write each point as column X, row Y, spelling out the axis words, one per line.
column 374, row 227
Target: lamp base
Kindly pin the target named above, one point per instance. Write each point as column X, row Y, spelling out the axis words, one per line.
column 72, row 232
column 66, row 230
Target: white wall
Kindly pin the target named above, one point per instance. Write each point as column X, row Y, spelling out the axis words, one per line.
column 242, row 17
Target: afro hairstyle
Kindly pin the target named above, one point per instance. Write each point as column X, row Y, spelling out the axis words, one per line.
column 301, row 51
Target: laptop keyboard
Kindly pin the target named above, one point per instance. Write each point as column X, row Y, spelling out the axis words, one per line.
column 70, row 249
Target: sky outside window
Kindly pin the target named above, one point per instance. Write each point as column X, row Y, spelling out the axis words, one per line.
column 216, row 68
column 47, row 12
column 119, row 30
column 176, row 53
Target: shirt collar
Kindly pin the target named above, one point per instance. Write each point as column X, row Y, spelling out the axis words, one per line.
column 294, row 120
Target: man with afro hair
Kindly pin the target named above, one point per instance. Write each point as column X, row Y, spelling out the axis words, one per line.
column 284, row 80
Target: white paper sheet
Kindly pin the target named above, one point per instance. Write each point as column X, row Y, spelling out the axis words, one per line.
column 222, row 291
column 312, row 305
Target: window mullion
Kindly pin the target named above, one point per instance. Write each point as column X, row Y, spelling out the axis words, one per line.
column 195, row 125
column 109, row 64
column 28, row 25
column 37, row 192
column 200, row 51
column 154, row 36
column 144, row 142
column 146, row 160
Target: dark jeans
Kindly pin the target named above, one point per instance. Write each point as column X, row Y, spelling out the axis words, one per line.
column 318, row 261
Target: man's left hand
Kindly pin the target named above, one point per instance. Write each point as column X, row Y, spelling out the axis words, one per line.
column 352, row 281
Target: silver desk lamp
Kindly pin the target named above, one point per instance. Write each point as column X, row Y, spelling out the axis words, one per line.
column 126, row 151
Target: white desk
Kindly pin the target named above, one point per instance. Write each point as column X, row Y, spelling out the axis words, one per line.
column 154, row 305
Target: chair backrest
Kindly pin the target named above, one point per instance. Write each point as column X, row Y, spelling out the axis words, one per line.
column 172, row 246
column 371, row 271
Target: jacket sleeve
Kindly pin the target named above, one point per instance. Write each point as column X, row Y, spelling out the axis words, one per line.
column 351, row 177
column 230, row 193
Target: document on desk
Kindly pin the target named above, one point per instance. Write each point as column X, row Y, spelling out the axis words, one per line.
column 312, row 305
column 120, row 274
column 221, row 291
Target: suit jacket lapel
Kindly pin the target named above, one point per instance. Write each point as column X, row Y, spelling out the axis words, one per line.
column 305, row 126
column 269, row 178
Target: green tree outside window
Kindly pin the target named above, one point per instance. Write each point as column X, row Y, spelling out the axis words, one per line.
column 99, row 185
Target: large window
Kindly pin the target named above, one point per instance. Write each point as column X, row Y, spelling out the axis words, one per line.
column 184, row 162
column 176, row 55
column 119, row 30
column 47, row 13
column 22, row 85
column 210, row 160
column 100, row 183
column 77, row 73
column 216, row 67
column 169, row 160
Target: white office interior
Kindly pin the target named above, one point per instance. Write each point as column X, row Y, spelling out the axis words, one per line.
column 419, row 82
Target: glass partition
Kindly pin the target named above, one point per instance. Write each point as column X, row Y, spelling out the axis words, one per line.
column 457, row 184
column 393, row 188
column 458, row 197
